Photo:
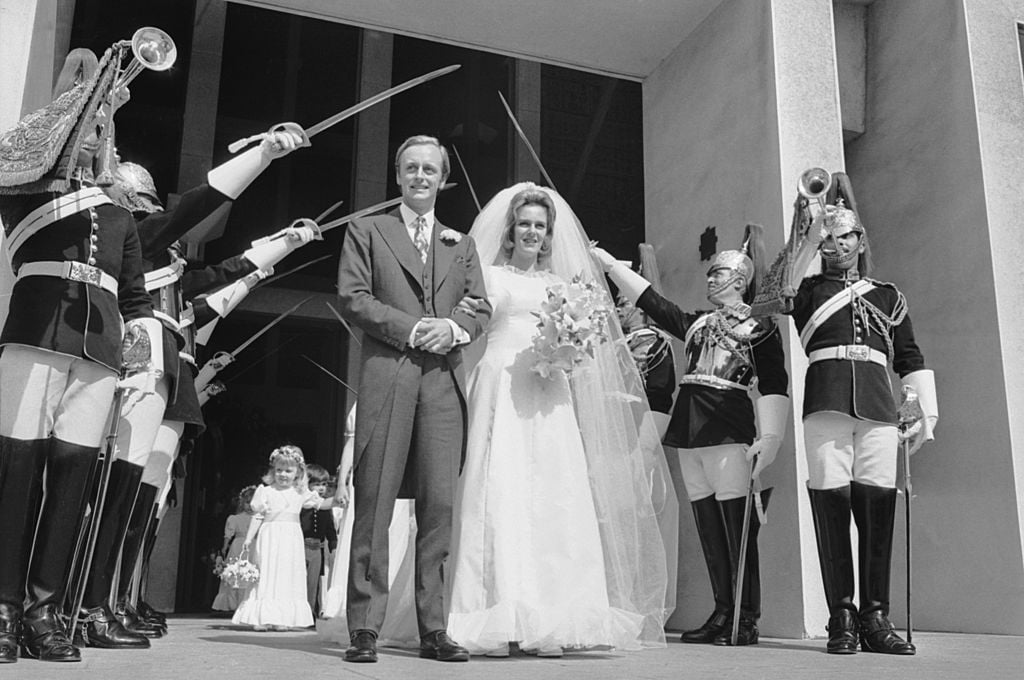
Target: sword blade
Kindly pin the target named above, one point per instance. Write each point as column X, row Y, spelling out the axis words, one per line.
column 377, row 207
column 328, row 211
column 465, row 174
column 278, row 319
column 325, row 370
column 344, row 323
column 293, row 270
column 377, row 98
column 526, row 141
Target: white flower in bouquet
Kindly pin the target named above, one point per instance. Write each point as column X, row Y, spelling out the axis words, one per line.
column 571, row 323
column 218, row 565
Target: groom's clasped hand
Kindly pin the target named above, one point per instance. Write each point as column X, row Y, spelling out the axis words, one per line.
column 434, row 335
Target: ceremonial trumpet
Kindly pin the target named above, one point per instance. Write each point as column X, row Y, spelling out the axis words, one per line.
column 813, row 185
column 152, row 49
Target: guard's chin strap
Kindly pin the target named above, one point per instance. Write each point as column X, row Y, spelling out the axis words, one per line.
column 716, row 289
column 840, row 259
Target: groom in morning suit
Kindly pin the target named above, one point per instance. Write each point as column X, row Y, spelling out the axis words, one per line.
column 400, row 279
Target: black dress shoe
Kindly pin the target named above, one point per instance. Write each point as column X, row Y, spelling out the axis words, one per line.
column 100, row 628
column 842, row 633
column 363, row 648
column 10, row 632
column 746, row 635
column 707, row 633
column 877, row 635
column 130, row 621
column 437, row 645
column 150, row 615
column 43, row 637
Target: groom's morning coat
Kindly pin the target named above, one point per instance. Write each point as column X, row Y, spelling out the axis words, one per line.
column 385, row 289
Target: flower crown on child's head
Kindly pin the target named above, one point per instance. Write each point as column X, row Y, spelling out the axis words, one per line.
column 289, row 453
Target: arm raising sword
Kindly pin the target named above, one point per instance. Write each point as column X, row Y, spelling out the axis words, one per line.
column 235, row 147
column 222, row 359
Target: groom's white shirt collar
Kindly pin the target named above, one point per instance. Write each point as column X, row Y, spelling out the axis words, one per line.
column 409, row 216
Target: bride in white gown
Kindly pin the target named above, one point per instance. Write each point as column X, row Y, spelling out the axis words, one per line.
column 556, row 540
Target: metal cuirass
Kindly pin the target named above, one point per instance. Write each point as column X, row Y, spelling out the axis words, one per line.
column 716, row 361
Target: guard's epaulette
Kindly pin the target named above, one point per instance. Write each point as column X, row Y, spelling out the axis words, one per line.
column 883, row 284
column 765, row 328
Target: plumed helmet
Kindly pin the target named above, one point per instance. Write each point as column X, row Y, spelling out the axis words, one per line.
column 135, row 190
column 746, row 263
column 841, row 219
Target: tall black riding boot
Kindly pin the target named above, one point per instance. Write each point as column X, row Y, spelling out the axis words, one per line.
column 715, row 544
column 874, row 511
column 21, row 491
column 145, row 611
column 750, row 596
column 831, row 511
column 100, row 628
column 68, row 471
column 130, row 553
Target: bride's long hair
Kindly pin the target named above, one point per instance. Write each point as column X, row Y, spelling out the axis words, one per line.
column 627, row 470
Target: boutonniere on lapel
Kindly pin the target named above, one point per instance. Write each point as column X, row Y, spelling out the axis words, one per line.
column 450, row 236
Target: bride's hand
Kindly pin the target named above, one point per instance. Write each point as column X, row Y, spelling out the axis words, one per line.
column 602, row 258
column 470, row 306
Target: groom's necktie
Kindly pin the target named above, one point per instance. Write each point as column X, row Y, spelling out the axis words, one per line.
column 419, row 237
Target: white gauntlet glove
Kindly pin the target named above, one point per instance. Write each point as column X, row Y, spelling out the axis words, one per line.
column 923, row 382
column 772, row 410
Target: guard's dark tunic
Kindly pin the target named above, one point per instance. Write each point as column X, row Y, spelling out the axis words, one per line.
column 858, row 388
column 709, row 415
column 73, row 317
column 158, row 232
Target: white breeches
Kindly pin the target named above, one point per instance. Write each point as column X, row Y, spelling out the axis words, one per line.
column 843, row 449
column 721, row 470
column 141, row 415
column 46, row 393
column 161, row 459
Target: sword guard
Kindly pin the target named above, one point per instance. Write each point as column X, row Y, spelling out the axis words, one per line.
column 238, row 145
column 293, row 128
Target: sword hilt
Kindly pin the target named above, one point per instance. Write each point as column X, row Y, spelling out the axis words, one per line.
column 295, row 128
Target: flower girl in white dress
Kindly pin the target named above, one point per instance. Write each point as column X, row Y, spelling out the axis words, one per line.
column 278, row 601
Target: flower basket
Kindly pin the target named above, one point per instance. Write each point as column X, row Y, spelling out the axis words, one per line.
column 238, row 572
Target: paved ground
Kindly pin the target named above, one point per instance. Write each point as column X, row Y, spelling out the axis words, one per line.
column 206, row 648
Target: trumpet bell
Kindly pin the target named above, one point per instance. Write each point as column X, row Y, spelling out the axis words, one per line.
column 153, row 48
column 814, row 184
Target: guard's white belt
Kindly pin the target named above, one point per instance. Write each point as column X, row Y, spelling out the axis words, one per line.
column 712, row 381
column 72, row 271
column 849, row 353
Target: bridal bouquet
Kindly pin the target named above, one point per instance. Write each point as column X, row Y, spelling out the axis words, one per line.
column 239, row 572
column 571, row 323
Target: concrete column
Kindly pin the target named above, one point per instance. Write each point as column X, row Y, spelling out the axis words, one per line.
column 937, row 174
column 525, row 104
column 992, row 34
column 200, row 116
column 374, row 168
column 731, row 118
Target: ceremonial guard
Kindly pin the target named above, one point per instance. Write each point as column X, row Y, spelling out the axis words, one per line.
column 852, row 327
column 713, row 425
column 78, row 264
column 153, row 425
